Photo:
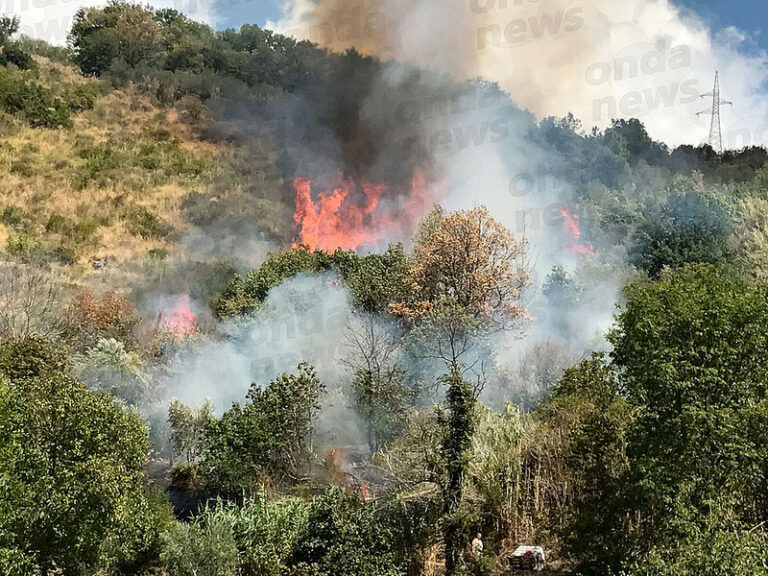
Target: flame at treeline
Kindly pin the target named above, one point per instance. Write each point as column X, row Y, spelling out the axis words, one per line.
column 573, row 234
column 352, row 215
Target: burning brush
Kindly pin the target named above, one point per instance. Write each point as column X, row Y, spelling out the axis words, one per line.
column 354, row 215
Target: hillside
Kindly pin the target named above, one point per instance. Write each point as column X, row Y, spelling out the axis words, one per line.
column 270, row 310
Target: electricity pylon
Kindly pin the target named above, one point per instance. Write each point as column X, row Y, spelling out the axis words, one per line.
column 715, row 136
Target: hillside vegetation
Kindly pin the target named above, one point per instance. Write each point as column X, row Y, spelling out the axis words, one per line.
column 151, row 250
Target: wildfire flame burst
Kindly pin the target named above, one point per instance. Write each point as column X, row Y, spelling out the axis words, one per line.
column 179, row 319
column 352, row 216
column 573, row 234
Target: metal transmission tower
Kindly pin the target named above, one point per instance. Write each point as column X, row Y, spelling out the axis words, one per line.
column 715, row 136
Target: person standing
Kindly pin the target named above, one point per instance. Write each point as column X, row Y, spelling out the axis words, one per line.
column 477, row 545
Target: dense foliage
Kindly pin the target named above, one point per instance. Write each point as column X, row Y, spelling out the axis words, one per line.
column 71, row 469
column 269, row 436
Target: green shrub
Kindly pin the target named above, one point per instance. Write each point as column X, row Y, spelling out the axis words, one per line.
column 160, row 159
column 142, row 222
column 93, row 495
column 25, row 247
column 158, row 254
column 346, row 538
column 56, row 223
column 13, row 216
column 13, row 53
column 65, row 254
column 34, row 102
column 201, row 548
column 42, row 48
column 167, row 157
column 136, row 543
column 266, row 532
column 268, row 435
column 14, row 562
column 80, row 97
column 82, row 231
column 23, row 167
column 98, row 160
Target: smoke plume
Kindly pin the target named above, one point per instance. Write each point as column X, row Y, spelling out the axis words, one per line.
column 599, row 59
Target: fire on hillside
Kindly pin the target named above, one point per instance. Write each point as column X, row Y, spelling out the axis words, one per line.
column 351, row 215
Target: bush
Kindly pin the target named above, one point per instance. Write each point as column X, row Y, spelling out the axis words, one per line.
column 72, row 460
column 269, row 435
column 80, row 97
column 141, row 222
column 35, row 103
column 346, row 538
column 375, row 280
column 97, row 160
column 27, row 248
column 137, row 542
column 13, row 53
column 111, row 316
column 118, row 32
column 202, row 548
column 42, row 48
column 14, row 562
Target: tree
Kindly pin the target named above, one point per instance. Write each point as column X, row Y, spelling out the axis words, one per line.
column 471, row 261
column 10, row 51
column 270, row 435
column 630, row 139
column 587, row 411
column 92, row 319
column 31, row 302
column 109, row 367
column 466, row 275
column 70, row 468
column 690, row 350
column 9, row 25
column 188, row 426
column 381, row 397
column 376, row 280
column 118, row 32
column 692, row 227
column 345, row 537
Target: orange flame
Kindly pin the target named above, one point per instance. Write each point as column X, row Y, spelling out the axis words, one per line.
column 573, row 234
column 345, row 218
column 180, row 320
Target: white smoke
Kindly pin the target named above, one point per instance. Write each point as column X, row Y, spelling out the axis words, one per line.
column 599, row 59
column 304, row 319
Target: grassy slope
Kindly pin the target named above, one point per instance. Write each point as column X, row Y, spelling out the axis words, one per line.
column 112, row 185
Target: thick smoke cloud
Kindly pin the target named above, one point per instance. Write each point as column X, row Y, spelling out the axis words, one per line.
column 599, row 59
column 302, row 320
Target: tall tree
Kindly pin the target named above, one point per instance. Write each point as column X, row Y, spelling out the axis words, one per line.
column 268, row 435
column 378, row 379
column 70, row 467
column 466, row 276
column 690, row 350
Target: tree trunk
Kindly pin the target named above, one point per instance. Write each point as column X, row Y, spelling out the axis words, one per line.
column 456, row 444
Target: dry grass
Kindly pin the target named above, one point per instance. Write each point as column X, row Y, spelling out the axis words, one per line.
column 39, row 172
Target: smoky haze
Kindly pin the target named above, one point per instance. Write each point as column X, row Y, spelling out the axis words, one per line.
column 599, row 59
